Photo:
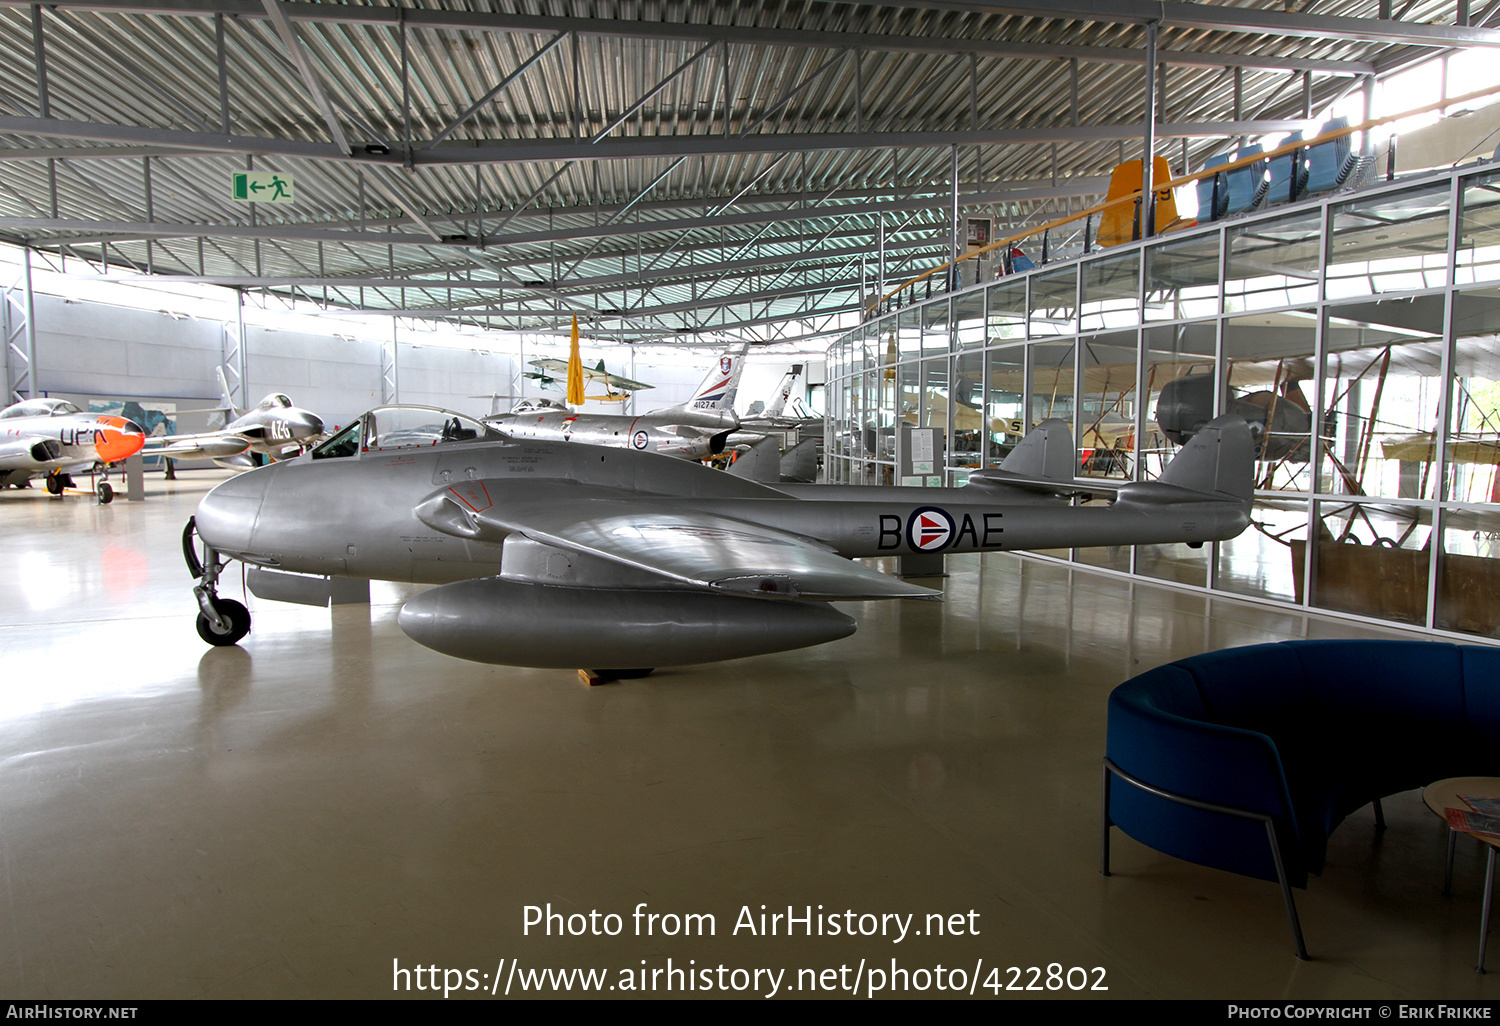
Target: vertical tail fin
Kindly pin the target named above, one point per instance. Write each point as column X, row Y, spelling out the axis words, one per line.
column 575, row 394
column 722, row 383
column 1046, row 452
column 761, row 462
column 800, row 463
column 225, row 399
column 1218, row 460
column 783, row 392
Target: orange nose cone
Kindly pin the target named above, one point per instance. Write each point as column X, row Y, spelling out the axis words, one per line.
column 118, row 438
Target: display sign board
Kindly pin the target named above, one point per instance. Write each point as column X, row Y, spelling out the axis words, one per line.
column 920, row 456
column 979, row 231
column 262, row 187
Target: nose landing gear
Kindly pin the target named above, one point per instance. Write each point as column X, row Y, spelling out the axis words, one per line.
column 221, row 621
column 57, row 482
column 233, row 621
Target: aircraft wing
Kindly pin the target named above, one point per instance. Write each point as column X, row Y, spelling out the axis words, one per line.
column 591, row 375
column 212, row 445
column 662, row 537
column 613, row 381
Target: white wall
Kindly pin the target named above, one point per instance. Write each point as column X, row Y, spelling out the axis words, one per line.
column 96, row 350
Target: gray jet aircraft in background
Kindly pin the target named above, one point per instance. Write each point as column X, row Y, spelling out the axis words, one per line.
column 565, row 555
column 271, row 431
column 694, row 430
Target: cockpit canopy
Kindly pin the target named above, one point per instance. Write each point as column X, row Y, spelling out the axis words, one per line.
column 387, row 428
column 275, row 401
column 40, row 408
column 539, row 405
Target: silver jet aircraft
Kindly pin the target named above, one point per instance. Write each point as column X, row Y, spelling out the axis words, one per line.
column 564, row 555
column 271, row 430
column 694, row 430
column 53, row 439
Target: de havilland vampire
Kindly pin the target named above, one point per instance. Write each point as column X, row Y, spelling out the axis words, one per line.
column 557, row 554
column 53, row 439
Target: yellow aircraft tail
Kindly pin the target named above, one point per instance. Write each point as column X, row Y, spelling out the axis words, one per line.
column 575, row 371
column 1118, row 223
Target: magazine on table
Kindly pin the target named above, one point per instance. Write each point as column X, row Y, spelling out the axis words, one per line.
column 1481, row 817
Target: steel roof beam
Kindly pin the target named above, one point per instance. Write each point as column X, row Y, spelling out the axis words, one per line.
column 1221, row 18
column 120, row 231
column 474, row 108
column 910, row 198
column 515, row 151
column 635, row 148
column 1332, row 28
column 833, row 257
column 601, row 320
column 299, row 55
column 919, row 236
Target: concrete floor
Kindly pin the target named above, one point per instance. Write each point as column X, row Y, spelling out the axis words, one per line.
column 300, row 816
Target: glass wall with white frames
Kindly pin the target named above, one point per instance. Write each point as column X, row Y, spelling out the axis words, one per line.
column 1358, row 334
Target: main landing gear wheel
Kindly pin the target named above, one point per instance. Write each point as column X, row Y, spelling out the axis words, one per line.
column 106, row 493
column 54, row 484
column 624, row 674
column 236, row 622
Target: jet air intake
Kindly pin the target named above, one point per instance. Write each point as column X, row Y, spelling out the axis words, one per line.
column 493, row 620
column 38, row 450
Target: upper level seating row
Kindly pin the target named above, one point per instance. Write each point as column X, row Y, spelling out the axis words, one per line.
column 1292, row 176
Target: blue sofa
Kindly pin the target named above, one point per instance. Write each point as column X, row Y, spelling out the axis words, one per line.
column 1247, row 759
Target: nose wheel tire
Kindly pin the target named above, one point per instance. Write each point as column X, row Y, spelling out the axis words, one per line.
column 236, row 621
column 54, row 484
column 106, row 493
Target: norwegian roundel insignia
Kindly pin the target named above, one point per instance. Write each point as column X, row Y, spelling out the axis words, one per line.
column 640, row 440
column 929, row 530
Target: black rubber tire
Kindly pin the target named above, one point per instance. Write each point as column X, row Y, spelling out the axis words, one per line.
column 624, row 674
column 106, row 493
column 237, row 617
column 54, row 484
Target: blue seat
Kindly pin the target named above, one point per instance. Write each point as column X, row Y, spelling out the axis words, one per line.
column 1246, row 185
column 1329, row 164
column 1213, row 196
column 1287, row 172
column 1247, row 759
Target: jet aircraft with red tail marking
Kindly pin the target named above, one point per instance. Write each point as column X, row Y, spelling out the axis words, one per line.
column 53, row 439
column 694, row 430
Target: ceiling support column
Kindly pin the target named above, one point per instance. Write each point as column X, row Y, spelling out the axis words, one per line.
column 20, row 335
column 390, row 381
column 1148, row 191
column 233, row 356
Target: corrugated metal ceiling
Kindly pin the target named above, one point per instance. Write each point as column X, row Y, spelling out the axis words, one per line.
column 665, row 169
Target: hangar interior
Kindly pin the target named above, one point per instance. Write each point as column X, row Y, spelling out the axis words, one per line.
column 307, row 813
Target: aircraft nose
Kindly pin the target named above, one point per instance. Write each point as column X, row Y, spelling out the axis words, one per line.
column 308, row 425
column 226, row 516
column 119, row 438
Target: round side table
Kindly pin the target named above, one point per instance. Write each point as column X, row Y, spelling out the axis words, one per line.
column 1445, row 795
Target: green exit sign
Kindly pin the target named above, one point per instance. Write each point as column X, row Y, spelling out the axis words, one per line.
column 262, row 187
